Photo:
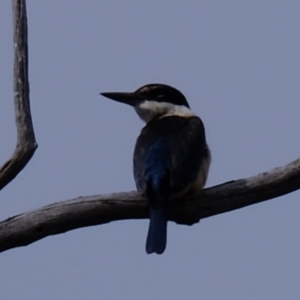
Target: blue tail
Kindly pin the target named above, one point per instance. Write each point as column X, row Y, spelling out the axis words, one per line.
column 157, row 233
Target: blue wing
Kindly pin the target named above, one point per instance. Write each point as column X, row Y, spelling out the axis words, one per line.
column 167, row 157
column 156, row 179
column 173, row 147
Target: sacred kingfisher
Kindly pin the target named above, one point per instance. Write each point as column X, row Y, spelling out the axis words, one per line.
column 171, row 157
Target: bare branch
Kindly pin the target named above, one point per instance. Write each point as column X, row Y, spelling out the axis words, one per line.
column 60, row 217
column 26, row 144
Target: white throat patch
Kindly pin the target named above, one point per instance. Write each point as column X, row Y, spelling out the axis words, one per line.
column 149, row 110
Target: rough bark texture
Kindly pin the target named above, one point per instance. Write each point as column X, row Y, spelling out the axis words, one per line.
column 60, row 217
column 26, row 144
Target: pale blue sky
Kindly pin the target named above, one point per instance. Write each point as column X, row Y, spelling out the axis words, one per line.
column 237, row 62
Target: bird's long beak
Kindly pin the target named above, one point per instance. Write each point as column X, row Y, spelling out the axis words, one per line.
column 127, row 98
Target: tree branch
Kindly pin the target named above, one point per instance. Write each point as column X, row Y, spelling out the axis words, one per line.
column 26, row 228
column 26, row 144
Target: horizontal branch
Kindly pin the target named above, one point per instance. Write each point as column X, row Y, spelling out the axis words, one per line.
column 60, row 217
column 26, row 144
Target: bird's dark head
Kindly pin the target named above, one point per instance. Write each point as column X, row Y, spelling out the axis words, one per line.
column 162, row 93
column 154, row 101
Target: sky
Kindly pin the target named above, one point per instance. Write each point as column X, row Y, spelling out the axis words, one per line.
column 237, row 63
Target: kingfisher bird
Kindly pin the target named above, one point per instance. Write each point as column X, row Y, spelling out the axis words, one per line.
column 171, row 157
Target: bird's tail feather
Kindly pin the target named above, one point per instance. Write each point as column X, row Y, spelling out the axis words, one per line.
column 157, row 233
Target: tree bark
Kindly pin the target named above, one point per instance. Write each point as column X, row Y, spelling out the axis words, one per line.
column 26, row 228
column 26, row 144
